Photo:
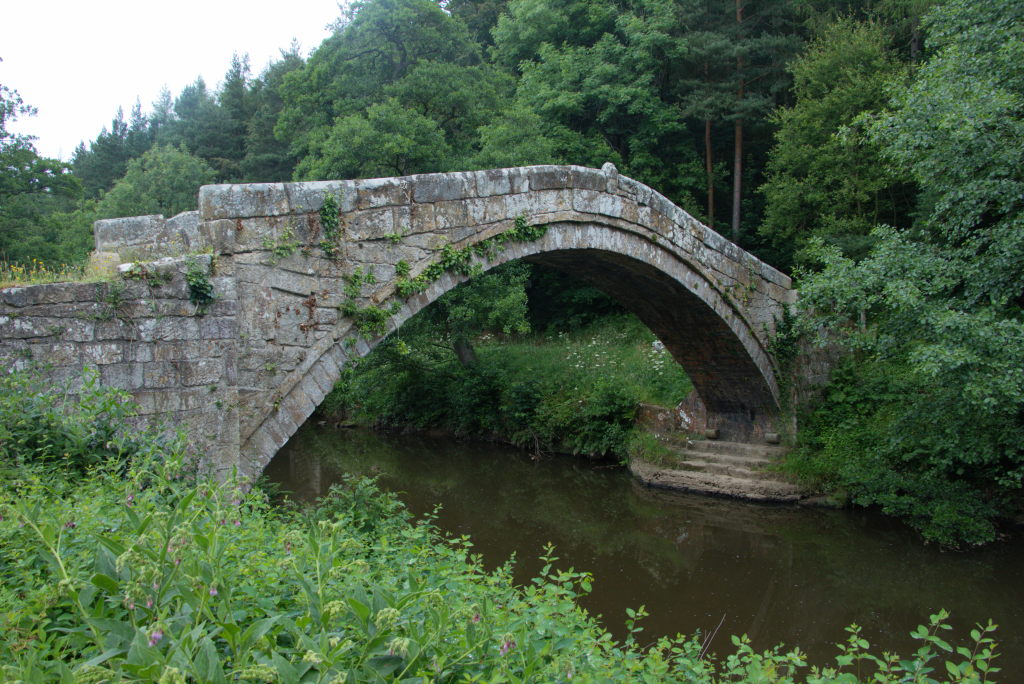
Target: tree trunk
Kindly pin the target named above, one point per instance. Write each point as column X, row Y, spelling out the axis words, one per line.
column 464, row 351
column 737, row 162
column 710, row 168
column 737, row 181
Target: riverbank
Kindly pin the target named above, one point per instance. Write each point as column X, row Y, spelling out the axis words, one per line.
column 604, row 391
column 119, row 562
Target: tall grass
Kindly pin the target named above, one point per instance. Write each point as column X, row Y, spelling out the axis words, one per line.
column 36, row 272
column 617, row 350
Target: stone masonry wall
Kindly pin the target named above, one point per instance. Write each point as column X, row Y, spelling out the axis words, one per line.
column 245, row 375
column 142, row 334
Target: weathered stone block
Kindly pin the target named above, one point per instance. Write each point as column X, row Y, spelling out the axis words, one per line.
column 371, row 224
column 382, row 192
column 493, row 182
column 201, row 372
column 243, row 201
column 548, row 177
column 128, row 376
column 101, row 354
column 160, row 374
column 437, row 187
column 309, row 196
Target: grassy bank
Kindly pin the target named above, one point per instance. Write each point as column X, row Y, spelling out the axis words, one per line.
column 120, row 563
column 572, row 391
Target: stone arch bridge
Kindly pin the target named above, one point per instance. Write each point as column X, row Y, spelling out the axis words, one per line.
column 242, row 372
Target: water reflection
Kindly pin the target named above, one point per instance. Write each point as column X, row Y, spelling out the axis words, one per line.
column 777, row 573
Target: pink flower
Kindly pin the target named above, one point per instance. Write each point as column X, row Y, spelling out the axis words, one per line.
column 213, row 591
column 238, row 523
column 476, row 618
column 155, row 636
column 507, row 646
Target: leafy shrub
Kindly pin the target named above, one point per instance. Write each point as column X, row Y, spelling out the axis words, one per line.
column 76, row 426
column 867, row 438
column 139, row 572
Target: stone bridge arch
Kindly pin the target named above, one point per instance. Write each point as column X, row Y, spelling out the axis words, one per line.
column 278, row 338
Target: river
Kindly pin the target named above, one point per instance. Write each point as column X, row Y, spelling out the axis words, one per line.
column 777, row 573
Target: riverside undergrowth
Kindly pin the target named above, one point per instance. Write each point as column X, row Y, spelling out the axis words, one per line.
column 573, row 391
column 137, row 568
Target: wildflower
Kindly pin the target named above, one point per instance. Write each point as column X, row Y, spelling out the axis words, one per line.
column 149, row 603
column 334, row 608
column 155, row 636
column 172, row 675
column 213, row 591
column 238, row 523
column 476, row 618
column 386, row 617
column 260, row 673
column 70, row 525
column 399, row 646
column 507, row 645
column 130, row 499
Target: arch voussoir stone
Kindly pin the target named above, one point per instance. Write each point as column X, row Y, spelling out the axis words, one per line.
column 282, row 341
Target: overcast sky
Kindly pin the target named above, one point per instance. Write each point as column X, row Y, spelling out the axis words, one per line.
column 77, row 61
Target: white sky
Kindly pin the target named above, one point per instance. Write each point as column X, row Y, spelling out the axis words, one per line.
column 77, row 61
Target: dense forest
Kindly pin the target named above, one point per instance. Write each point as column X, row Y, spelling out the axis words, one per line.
column 873, row 148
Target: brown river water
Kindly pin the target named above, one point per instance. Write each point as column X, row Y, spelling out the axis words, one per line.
column 777, row 573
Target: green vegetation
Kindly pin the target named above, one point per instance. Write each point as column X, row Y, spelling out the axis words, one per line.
column 924, row 419
column 164, row 180
column 36, row 272
column 118, row 562
column 873, row 145
column 200, row 289
column 468, row 364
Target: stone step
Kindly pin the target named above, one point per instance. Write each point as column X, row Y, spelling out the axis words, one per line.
column 743, row 461
column 715, row 483
column 714, row 446
column 724, row 468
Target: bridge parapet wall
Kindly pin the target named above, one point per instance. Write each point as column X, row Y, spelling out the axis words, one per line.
column 144, row 238
column 455, row 205
column 141, row 333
